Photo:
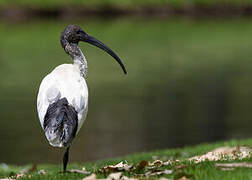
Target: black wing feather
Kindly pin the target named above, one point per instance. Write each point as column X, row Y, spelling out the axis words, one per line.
column 61, row 119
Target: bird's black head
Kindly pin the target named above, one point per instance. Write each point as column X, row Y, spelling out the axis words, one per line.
column 72, row 34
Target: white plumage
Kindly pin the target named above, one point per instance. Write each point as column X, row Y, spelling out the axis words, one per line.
column 64, row 81
column 62, row 101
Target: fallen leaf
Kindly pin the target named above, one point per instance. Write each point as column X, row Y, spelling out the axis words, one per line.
column 83, row 171
column 23, row 172
column 29, row 176
column 183, row 178
column 161, row 172
column 128, row 178
column 90, row 177
column 31, row 169
column 156, row 163
column 169, row 162
column 20, row 175
column 234, row 165
column 224, row 153
column 142, row 165
column 42, row 171
column 115, row 176
column 118, row 167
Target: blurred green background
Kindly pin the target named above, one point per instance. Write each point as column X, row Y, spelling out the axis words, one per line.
column 189, row 80
column 123, row 3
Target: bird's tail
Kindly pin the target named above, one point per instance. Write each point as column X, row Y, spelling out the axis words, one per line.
column 60, row 123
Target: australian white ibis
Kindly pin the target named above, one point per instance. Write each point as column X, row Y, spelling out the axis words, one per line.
column 62, row 101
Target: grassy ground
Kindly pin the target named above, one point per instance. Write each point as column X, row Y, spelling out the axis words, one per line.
column 203, row 170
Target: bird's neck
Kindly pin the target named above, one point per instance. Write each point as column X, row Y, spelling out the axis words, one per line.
column 81, row 62
column 78, row 57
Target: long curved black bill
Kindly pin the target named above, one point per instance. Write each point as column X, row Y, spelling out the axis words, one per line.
column 89, row 39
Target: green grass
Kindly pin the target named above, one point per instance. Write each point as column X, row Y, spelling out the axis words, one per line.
column 203, row 170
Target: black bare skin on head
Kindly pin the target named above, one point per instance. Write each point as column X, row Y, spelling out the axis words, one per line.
column 71, row 36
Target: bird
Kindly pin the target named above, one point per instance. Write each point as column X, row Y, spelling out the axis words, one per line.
column 62, row 101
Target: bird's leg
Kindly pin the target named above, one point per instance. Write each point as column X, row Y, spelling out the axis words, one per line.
column 65, row 159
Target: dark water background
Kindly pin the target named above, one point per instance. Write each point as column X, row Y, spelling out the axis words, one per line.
column 189, row 81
